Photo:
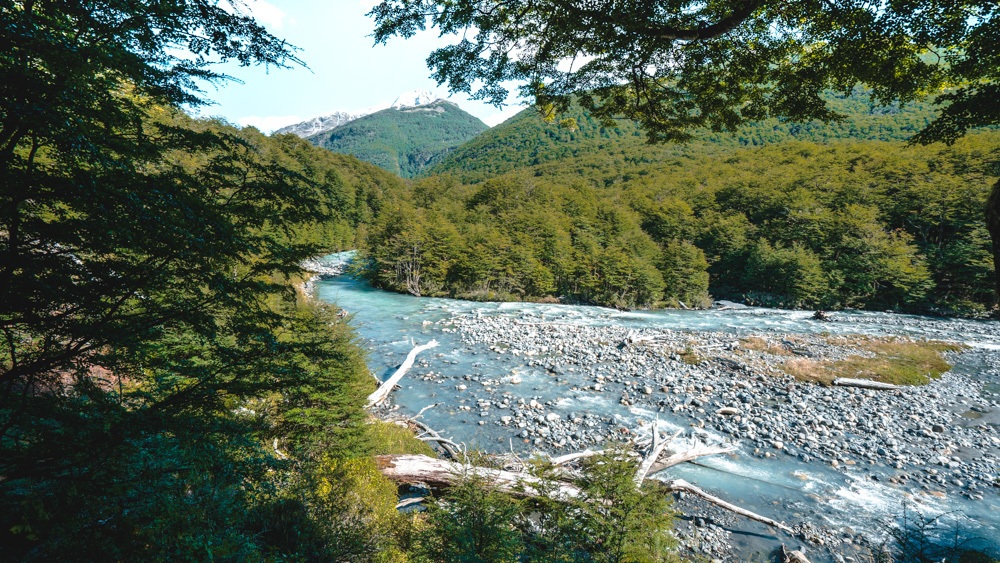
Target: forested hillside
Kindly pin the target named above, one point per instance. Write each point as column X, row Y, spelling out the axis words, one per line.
column 404, row 141
column 825, row 216
column 528, row 140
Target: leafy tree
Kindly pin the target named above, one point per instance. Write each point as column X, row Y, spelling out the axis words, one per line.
column 613, row 521
column 474, row 523
column 674, row 66
column 145, row 303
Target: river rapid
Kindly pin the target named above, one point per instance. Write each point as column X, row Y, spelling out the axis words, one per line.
column 835, row 463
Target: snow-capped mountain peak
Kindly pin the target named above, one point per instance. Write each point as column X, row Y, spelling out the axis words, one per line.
column 413, row 99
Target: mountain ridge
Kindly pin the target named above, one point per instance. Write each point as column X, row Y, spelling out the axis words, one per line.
column 328, row 122
column 405, row 139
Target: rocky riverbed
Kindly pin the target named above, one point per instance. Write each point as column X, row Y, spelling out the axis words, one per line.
column 932, row 441
column 835, row 463
column 937, row 436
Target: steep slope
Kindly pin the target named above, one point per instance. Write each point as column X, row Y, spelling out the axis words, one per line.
column 526, row 140
column 405, row 140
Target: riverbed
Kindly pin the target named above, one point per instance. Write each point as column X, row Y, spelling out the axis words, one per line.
column 833, row 462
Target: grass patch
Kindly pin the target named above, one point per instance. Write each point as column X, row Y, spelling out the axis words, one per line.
column 758, row 344
column 388, row 438
column 896, row 361
column 690, row 356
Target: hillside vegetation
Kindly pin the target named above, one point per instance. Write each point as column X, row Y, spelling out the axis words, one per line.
column 820, row 216
column 526, row 140
column 403, row 141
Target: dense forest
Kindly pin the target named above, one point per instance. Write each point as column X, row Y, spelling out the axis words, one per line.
column 843, row 215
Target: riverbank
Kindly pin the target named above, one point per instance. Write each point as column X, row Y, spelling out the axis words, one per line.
column 557, row 378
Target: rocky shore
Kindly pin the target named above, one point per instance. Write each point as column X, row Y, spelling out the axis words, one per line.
column 937, row 440
column 935, row 436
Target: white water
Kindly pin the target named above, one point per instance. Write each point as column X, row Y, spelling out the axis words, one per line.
column 782, row 487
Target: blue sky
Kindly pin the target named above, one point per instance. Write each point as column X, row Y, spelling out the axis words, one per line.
column 347, row 72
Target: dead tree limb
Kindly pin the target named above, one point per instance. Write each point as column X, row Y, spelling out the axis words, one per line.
column 655, row 450
column 451, row 448
column 383, row 391
column 680, row 485
column 865, row 384
column 698, row 450
column 426, row 470
column 409, row 502
column 422, row 411
column 564, row 459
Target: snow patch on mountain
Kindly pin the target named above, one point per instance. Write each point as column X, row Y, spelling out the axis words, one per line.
column 414, row 98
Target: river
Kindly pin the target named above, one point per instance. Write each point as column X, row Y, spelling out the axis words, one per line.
column 576, row 364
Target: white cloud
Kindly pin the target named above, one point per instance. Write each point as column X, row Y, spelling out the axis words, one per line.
column 268, row 123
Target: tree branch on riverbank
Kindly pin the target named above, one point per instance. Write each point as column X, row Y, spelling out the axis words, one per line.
column 432, row 472
column 865, row 384
column 383, row 391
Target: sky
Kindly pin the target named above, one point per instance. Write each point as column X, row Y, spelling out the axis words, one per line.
column 346, row 71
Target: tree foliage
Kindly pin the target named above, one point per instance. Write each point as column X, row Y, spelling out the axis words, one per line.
column 675, row 66
column 601, row 217
column 152, row 344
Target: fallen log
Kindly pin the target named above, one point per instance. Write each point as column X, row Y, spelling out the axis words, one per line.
column 409, row 502
column 414, row 469
column 680, row 485
column 865, row 384
column 424, row 470
column 696, row 451
column 383, row 391
column 655, row 450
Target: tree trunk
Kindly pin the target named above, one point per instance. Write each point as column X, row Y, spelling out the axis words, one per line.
column 383, row 391
column 865, row 384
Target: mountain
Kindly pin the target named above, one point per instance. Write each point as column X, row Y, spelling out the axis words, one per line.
column 526, row 140
column 319, row 124
column 413, row 99
column 834, row 215
column 323, row 123
column 406, row 138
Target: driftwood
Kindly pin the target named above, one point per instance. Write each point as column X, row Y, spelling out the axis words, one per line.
column 680, row 485
column 651, row 464
column 422, row 411
column 414, row 469
column 865, row 384
column 792, row 556
column 424, row 470
column 451, row 448
column 655, row 450
column 698, row 450
column 564, row 459
column 383, row 391
column 409, row 502
column 437, row 472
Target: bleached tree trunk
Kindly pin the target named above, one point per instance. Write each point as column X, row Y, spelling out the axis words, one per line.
column 864, row 384
column 383, row 391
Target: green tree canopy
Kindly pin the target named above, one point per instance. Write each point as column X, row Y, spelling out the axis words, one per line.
column 148, row 329
column 675, row 65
